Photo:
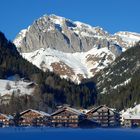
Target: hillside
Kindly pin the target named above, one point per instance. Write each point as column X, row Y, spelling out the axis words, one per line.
column 50, row 89
column 11, row 62
column 118, row 84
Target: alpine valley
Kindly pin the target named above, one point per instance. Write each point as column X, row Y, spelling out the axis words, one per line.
column 69, row 62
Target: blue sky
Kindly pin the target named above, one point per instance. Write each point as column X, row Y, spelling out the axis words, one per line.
column 112, row 15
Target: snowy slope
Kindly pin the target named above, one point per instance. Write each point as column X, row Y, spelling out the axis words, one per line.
column 129, row 37
column 21, row 35
column 75, row 66
column 19, row 87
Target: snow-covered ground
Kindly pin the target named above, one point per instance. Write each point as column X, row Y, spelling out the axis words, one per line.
column 19, row 87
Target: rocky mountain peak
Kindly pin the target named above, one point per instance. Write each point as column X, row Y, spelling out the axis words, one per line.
column 51, row 31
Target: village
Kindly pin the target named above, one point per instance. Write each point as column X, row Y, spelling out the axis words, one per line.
column 66, row 116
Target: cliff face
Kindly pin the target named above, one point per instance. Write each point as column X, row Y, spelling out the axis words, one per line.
column 63, row 35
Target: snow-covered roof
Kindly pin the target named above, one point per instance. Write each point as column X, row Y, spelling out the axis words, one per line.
column 131, row 117
column 8, row 117
column 36, row 111
column 96, row 108
column 73, row 110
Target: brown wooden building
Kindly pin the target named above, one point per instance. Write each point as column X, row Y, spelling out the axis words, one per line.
column 131, row 121
column 32, row 117
column 66, row 117
column 5, row 120
column 104, row 116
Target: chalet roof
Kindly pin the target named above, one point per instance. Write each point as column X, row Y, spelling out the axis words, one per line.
column 95, row 109
column 8, row 117
column 75, row 111
column 131, row 117
column 36, row 111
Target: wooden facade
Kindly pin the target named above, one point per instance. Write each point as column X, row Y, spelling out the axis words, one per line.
column 5, row 120
column 66, row 117
column 104, row 116
column 32, row 117
column 131, row 121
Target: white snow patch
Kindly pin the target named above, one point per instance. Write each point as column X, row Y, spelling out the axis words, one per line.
column 20, row 37
column 129, row 37
column 104, row 91
column 15, row 86
column 122, row 84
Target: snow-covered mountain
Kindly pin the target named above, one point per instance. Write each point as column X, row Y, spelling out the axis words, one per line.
column 71, row 49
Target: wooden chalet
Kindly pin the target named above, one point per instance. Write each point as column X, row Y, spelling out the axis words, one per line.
column 32, row 117
column 131, row 121
column 66, row 117
column 104, row 116
column 5, row 120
